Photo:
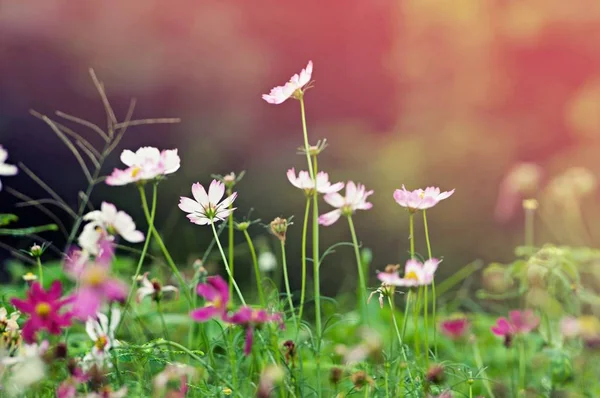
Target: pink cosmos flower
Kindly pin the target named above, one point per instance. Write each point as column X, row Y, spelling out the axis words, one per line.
column 6, row 169
column 420, row 199
column 521, row 182
column 205, row 208
column 519, row 322
column 355, row 199
column 293, row 88
column 216, row 292
column 96, row 284
column 415, row 274
column 304, row 182
column 455, row 328
column 251, row 319
column 147, row 163
column 105, row 223
column 44, row 309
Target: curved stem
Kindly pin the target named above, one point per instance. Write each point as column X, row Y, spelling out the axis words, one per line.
column 164, row 325
column 400, row 338
column 138, row 269
column 304, row 233
column 230, row 246
column 235, row 286
column 287, row 283
column 259, row 286
column 434, row 302
column 362, row 296
column 306, row 146
column 163, row 248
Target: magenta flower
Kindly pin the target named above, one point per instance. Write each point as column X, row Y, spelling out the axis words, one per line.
column 420, row 199
column 96, row 284
column 216, row 292
column 519, row 322
column 455, row 328
column 293, row 88
column 205, row 208
column 415, row 274
column 355, row 199
column 304, row 182
column 44, row 309
column 252, row 319
column 147, row 163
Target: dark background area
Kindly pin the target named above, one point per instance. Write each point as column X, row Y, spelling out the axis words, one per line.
column 415, row 92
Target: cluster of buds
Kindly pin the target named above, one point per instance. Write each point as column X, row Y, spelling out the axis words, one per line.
column 229, row 180
column 314, row 150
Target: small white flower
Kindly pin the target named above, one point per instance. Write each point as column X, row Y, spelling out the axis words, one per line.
column 267, row 261
column 304, row 182
column 107, row 221
column 205, row 208
column 8, row 324
column 102, row 333
column 6, row 169
column 153, row 288
column 147, row 163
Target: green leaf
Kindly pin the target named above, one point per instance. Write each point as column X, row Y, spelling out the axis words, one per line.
column 6, row 219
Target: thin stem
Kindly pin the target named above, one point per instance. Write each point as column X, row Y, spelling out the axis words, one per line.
column 362, row 296
column 400, row 338
column 304, row 233
column 522, row 363
column 434, row 301
column 416, row 306
column 411, row 227
column 529, row 238
column 405, row 318
column 287, row 283
column 479, row 362
column 144, row 249
column 259, row 286
column 317, row 287
column 230, row 247
column 164, row 325
column 164, row 250
column 237, row 289
column 40, row 270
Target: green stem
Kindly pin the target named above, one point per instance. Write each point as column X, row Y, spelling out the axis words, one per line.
column 411, row 227
column 261, row 294
column 479, row 362
column 317, row 287
column 529, row 239
column 163, row 248
column 40, row 270
column 287, row 284
column 522, row 363
column 405, row 317
column 362, row 296
column 400, row 338
column 434, row 301
column 416, row 306
column 304, row 233
column 237, row 289
column 230, row 248
column 138, row 269
column 164, row 326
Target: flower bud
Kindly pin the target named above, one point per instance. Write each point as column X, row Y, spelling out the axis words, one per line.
column 279, row 228
column 335, row 375
column 36, row 251
column 435, row 374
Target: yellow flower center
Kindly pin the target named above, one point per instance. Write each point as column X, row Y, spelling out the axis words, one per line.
column 135, row 171
column 43, row 309
column 101, row 342
column 218, row 303
column 411, row 275
column 95, row 276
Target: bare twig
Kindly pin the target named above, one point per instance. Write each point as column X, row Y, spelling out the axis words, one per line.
column 110, row 114
column 88, row 153
column 37, row 202
column 85, row 199
column 83, row 122
column 45, row 186
column 69, row 145
column 164, row 120
column 125, row 124
column 41, row 207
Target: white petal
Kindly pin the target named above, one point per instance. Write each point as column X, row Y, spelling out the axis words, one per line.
column 171, row 161
column 216, row 191
column 8, row 169
column 335, row 199
column 148, row 154
column 128, row 158
column 200, row 195
column 109, row 211
column 190, row 206
column 95, row 215
column 3, row 154
column 91, row 329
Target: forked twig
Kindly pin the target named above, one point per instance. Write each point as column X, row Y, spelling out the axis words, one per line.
column 37, row 202
column 88, row 153
column 140, row 122
column 85, row 123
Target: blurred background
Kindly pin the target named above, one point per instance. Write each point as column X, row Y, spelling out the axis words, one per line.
column 414, row 92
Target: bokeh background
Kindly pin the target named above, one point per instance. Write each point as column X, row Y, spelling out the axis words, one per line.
column 415, row 92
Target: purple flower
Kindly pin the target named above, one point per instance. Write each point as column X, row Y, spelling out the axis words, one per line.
column 216, row 292
column 251, row 319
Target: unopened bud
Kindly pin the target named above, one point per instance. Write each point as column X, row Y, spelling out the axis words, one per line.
column 279, row 228
column 36, row 251
column 335, row 376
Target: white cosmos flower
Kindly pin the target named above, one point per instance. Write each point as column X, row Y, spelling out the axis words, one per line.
column 107, row 221
column 205, row 208
column 102, row 333
column 6, row 169
column 304, row 182
column 147, row 163
column 153, row 288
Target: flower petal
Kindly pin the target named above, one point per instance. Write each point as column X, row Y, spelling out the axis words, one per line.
column 200, row 195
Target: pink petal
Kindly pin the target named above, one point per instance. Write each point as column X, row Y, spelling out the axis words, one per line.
column 334, row 199
column 114, row 290
column 502, row 327
column 216, row 190
column 328, row 219
column 204, row 314
column 200, row 195
column 190, row 206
